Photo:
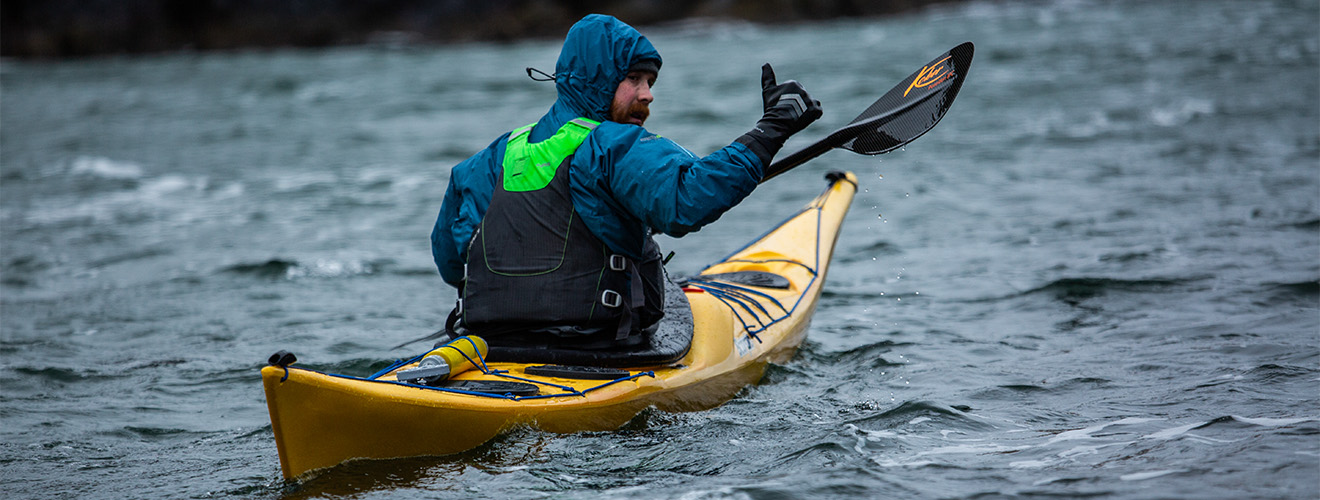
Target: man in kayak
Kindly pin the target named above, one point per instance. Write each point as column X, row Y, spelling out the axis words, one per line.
column 546, row 233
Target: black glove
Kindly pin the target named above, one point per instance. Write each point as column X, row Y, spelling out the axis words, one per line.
column 788, row 110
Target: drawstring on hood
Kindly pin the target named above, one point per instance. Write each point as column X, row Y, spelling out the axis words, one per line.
column 545, row 77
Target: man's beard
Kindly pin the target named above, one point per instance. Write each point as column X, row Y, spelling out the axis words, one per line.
column 638, row 110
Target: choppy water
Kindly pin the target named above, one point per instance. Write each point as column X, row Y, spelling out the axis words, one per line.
column 1099, row 276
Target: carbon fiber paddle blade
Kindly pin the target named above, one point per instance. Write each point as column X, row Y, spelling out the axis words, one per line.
column 923, row 98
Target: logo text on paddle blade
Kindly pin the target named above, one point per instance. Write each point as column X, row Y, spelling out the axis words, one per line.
column 933, row 75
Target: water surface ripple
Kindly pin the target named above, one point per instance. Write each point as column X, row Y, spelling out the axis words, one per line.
column 1099, row 276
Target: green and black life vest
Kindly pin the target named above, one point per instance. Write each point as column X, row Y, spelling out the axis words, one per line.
column 533, row 266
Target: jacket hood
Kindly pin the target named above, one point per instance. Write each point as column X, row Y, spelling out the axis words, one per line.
column 596, row 56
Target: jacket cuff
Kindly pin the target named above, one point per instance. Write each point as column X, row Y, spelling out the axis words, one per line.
column 764, row 149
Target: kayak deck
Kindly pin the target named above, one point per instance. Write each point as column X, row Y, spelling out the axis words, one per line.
column 749, row 309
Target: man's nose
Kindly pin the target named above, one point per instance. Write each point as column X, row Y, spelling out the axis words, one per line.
column 644, row 93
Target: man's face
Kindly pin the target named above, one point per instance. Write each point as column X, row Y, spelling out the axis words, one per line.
column 632, row 100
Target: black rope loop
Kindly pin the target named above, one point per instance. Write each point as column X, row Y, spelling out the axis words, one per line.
column 547, row 77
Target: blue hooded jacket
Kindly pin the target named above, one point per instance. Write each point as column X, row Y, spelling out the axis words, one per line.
column 624, row 179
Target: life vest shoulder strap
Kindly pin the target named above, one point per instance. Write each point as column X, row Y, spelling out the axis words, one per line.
column 531, row 166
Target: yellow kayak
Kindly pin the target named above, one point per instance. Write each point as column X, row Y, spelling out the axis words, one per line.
column 750, row 309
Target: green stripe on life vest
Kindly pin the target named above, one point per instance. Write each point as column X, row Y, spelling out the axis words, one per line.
column 530, row 167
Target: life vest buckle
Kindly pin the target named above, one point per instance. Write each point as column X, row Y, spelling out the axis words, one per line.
column 611, row 298
column 618, row 262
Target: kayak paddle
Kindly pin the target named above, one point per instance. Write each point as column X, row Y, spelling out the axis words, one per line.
column 900, row 116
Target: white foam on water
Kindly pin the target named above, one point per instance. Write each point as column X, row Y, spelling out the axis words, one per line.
column 1181, row 113
column 329, row 268
column 170, row 197
column 724, row 493
column 1207, row 440
column 161, row 186
column 1141, row 476
column 970, row 449
column 1030, row 464
column 1180, row 431
column 1173, row 432
column 863, row 436
column 1274, row 422
column 1089, row 450
column 231, row 190
column 872, row 435
column 1088, row 432
column 105, row 168
column 889, row 462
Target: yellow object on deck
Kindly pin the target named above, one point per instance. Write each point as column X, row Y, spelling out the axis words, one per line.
column 321, row 420
column 456, row 356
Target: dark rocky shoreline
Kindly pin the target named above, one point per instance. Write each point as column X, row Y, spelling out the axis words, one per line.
column 73, row 28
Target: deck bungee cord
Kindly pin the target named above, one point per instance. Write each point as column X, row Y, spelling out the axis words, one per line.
column 734, row 294
column 480, row 364
column 737, row 296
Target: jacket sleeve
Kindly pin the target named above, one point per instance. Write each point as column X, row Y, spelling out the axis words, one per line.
column 664, row 185
column 471, row 184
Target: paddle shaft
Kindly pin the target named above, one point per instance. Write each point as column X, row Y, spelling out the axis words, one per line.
column 834, row 140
